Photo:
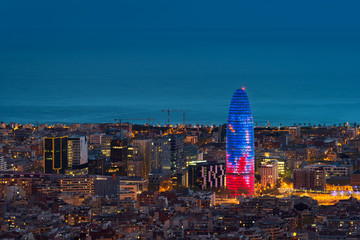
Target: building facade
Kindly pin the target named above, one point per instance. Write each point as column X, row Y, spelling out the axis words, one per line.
column 355, row 180
column 106, row 145
column 3, row 165
column 269, row 173
column 142, row 153
column 78, row 185
column 240, row 174
column 96, row 165
column 177, row 158
column 281, row 162
column 207, row 175
column 310, row 179
column 77, row 152
column 332, row 171
column 160, row 156
column 55, row 154
column 120, row 156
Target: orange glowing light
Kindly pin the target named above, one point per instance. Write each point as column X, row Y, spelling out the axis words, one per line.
column 231, row 128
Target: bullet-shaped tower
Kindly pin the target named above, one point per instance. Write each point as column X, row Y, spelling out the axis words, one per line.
column 240, row 175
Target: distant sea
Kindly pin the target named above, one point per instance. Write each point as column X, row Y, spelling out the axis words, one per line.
column 67, row 76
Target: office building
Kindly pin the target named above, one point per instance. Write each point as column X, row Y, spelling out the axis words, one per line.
column 78, row 185
column 310, row 179
column 142, row 152
column 177, row 159
column 333, row 170
column 207, row 175
column 95, row 139
column 269, row 173
column 240, row 174
column 120, row 155
column 118, row 150
column 96, row 165
column 190, row 154
column 134, row 168
column 140, row 183
column 179, row 179
column 155, row 180
column 55, row 154
column 77, row 152
column 3, row 165
column 106, row 186
column 281, row 162
column 106, row 145
column 160, row 156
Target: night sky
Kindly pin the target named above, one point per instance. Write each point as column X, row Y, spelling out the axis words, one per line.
column 70, row 61
column 87, row 14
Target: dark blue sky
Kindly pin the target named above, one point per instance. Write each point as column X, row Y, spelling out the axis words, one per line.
column 86, row 60
column 88, row 14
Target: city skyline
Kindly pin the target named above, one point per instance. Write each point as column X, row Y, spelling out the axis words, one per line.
column 179, row 120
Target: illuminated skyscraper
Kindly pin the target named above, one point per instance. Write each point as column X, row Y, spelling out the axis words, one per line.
column 160, row 156
column 142, row 152
column 177, row 158
column 55, row 154
column 240, row 146
column 77, row 152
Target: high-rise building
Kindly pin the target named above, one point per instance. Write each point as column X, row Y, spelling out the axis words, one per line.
column 142, row 152
column 96, row 165
column 179, row 178
column 134, row 168
column 160, row 156
column 3, row 165
column 310, row 179
column 55, row 154
column 120, row 156
column 177, row 158
column 206, row 175
column 240, row 174
column 77, row 152
column 269, row 173
column 190, row 154
column 106, row 144
column 118, row 150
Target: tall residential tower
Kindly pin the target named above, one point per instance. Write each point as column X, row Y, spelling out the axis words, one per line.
column 240, row 175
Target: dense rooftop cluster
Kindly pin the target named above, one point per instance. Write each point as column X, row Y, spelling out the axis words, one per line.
column 169, row 182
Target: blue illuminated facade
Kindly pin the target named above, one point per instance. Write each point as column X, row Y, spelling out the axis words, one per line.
column 240, row 175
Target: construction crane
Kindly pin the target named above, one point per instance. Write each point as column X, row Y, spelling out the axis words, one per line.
column 173, row 110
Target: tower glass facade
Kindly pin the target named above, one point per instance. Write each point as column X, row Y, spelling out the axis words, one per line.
column 55, row 154
column 240, row 176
